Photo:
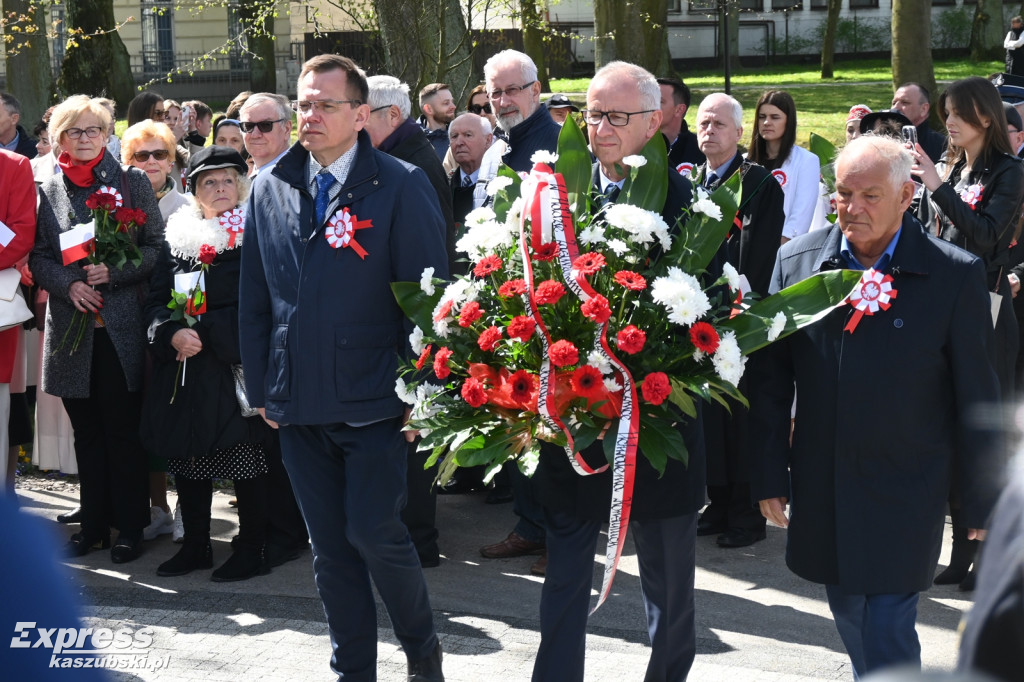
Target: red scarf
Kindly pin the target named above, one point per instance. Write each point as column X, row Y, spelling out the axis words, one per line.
column 79, row 174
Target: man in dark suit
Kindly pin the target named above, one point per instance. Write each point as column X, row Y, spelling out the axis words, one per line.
column 913, row 101
column 750, row 248
column 327, row 232
column 663, row 517
column 470, row 137
column 684, row 153
column 888, row 406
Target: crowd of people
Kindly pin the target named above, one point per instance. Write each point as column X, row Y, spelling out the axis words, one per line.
column 243, row 334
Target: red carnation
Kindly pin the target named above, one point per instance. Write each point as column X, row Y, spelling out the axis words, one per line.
column 471, row 312
column 139, row 217
column 512, row 288
column 549, row 291
column 441, row 359
column 521, row 328
column 522, row 385
column 473, row 392
column 92, row 203
column 589, row 263
column 597, row 309
column 563, row 353
column 424, row 356
column 631, row 280
column 104, row 202
column 488, row 265
column 631, row 339
column 489, row 339
column 206, row 254
column 704, row 337
column 124, row 216
column 656, row 388
column 446, row 308
column 587, row 381
column 546, row 252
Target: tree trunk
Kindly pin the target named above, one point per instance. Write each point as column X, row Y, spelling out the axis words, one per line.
column 987, row 31
column 258, row 24
column 912, row 29
column 29, row 74
column 533, row 39
column 640, row 35
column 828, row 46
column 732, row 7
column 604, row 32
column 96, row 65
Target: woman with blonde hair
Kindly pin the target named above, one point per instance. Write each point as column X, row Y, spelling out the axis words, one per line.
column 150, row 147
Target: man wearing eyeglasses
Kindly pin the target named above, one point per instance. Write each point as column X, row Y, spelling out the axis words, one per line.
column 328, row 230
column 622, row 114
column 266, row 123
column 514, row 92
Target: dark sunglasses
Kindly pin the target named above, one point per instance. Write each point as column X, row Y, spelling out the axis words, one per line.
column 264, row 126
column 158, row 154
column 480, row 108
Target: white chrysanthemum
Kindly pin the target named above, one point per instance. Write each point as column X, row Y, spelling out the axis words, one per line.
column 416, row 340
column 512, row 217
column 427, row 281
column 732, row 276
column 480, row 216
column 728, row 360
column 664, row 238
column 707, row 207
column 612, row 385
column 403, row 392
column 456, row 292
column 600, row 361
column 543, row 156
column 442, row 327
column 640, row 224
column 484, row 238
column 699, row 355
column 680, row 293
column 777, row 326
column 634, row 160
column 423, row 406
column 619, row 247
column 497, row 184
column 592, row 234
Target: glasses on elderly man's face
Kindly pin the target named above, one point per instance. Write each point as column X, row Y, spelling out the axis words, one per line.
column 616, row 118
column 480, row 108
column 510, row 91
column 142, row 156
column 91, row 132
column 264, row 126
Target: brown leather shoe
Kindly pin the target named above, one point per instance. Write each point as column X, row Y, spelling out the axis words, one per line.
column 540, row 566
column 512, row 546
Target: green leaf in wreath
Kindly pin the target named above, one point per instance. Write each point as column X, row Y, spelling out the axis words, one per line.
column 647, row 186
column 417, row 306
column 574, row 160
column 702, row 236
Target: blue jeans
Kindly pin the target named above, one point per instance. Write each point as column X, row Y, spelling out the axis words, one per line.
column 877, row 629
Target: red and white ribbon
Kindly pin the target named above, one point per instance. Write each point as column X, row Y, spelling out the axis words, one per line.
column 234, row 222
column 546, row 204
column 873, row 292
column 118, row 199
column 341, row 229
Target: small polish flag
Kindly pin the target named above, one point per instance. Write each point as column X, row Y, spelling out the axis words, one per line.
column 77, row 243
column 6, row 235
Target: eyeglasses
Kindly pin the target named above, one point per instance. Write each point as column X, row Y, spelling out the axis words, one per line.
column 159, row 115
column 1011, row 131
column 616, row 118
column 510, row 91
column 484, row 108
column 91, row 132
column 322, row 106
column 380, row 108
column 264, row 126
column 158, row 154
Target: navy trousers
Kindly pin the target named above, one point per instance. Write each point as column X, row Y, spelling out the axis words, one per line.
column 877, row 629
column 665, row 550
column 350, row 485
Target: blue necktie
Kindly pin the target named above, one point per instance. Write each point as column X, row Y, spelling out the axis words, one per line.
column 711, row 180
column 467, row 181
column 324, row 180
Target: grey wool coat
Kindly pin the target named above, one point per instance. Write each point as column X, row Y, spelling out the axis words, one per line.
column 62, row 206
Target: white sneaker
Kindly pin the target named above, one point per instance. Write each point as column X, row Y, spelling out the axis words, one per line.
column 178, row 533
column 161, row 524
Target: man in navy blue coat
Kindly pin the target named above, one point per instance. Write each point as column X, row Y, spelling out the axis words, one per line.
column 328, row 231
column 888, row 407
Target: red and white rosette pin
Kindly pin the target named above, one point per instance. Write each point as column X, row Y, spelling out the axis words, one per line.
column 341, row 230
column 972, row 195
column 118, row 199
column 234, row 222
column 873, row 292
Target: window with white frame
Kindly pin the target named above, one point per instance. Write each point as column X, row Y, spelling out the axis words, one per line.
column 157, row 36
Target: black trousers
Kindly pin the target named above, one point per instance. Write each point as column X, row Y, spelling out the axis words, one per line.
column 420, row 512
column 111, row 462
column 285, row 525
column 196, row 496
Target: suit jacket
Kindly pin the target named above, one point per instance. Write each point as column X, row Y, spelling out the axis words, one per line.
column 538, row 131
column 462, row 203
column 681, row 489
column 684, row 154
column 884, row 417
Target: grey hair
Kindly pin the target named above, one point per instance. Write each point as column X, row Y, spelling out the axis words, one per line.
column 717, row 97
column 11, row 103
column 526, row 65
column 485, row 125
column 388, row 91
column 646, row 84
column 892, row 152
column 284, row 109
column 244, row 182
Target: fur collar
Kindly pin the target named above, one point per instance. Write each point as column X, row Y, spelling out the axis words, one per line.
column 187, row 230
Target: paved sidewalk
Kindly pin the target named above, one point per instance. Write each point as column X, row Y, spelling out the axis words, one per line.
column 755, row 620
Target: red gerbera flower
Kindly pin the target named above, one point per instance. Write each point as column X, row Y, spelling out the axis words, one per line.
column 631, row 339
column 597, row 309
column 488, row 265
column 489, row 339
column 512, row 288
column 589, row 263
column 656, row 388
column 473, row 392
column 587, row 381
column 549, row 291
column 445, row 309
column 563, row 353
column 521, row 328
column 424, row 356
column 631, row 280
column 546, row 252
column 704, row 337
column 441, row 368
column 471, row 312
column 522, row 384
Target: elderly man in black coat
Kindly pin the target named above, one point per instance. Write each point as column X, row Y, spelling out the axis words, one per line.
column 892, row 392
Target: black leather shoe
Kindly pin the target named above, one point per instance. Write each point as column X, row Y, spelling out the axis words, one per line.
column 967, row 584
column 80, row 544
column 191, row 557
column 711, row 527
column 244, row 563
column 280, row 554
column 741, row 537
column 73, row 516
column 126, row 549
column 427, row 669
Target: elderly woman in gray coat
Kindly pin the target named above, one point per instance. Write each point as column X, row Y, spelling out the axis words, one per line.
column 99, row 378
